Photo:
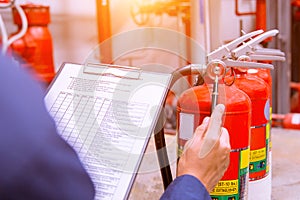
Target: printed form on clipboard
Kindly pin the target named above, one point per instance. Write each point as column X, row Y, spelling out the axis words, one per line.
column 107, row 113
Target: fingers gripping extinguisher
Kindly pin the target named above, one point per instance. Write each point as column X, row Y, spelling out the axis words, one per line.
column 194, row 105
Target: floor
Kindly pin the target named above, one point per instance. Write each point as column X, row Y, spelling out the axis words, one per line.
column 286, row 162
column 74, row 38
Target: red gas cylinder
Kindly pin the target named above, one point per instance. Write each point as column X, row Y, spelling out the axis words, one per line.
column 259, row 94
column 296, row 10
column 295, row 99
column 289, row 121
column 35, row 47
column 193, row 106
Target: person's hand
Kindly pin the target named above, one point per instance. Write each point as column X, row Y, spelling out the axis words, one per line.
column 206, row 155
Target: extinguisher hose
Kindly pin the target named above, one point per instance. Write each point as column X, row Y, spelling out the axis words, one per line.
column 3, row 34
column 21, row 33
column 192, row 69
column 159, row 138
column 161, row 151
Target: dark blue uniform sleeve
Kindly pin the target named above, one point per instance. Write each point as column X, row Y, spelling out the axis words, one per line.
column 35, row 162
column 186, row 187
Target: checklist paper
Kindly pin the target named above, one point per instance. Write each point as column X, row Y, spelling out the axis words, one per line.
column 107, row 114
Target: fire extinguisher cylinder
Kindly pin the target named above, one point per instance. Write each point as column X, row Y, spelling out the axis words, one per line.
column 193, row 106
column 258, row 91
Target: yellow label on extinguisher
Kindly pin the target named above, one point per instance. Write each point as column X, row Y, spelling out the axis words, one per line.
column 258, row 155
column 268, row 131
column 245, row 158
column 226, row 188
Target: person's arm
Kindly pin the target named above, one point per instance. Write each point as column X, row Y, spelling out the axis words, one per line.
column 203, row 162
column 186, row 187
column 36, row 163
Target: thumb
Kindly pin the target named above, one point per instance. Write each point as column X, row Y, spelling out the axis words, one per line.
column 213, row 132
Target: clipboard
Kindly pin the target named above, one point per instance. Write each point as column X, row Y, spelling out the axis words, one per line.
column 108, row 113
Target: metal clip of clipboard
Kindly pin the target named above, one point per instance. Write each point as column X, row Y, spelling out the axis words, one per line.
column 118, row 71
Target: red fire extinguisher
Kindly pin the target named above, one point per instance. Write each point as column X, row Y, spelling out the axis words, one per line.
column 265, row 74
column 259, row 94
column 193, row 106
column 35, row 47
column 296, row 10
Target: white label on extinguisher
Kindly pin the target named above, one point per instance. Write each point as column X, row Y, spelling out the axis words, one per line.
column 296, row 119
column 267, row 110
column 186, row 126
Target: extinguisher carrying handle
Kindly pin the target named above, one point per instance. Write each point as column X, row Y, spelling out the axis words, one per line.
column 213, row 132
column 249, row 47
column 225, row 50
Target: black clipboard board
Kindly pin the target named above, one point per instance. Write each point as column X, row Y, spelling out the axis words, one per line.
column 108, row 113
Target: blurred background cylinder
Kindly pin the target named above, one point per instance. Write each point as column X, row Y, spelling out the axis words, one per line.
column 35, row 47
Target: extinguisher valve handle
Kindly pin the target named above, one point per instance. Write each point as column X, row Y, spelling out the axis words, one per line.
column 247, row 64
column 259, row 57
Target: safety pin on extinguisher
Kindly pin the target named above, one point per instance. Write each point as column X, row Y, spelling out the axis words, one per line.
column 215, row 70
